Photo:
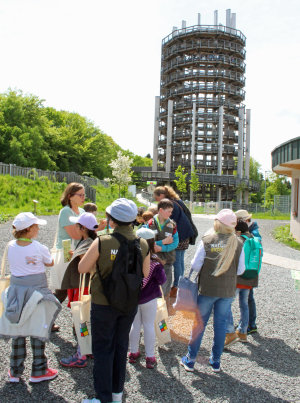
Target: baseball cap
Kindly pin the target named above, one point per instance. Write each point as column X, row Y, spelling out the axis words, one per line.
column 145, row 233
column 243, row 215
column 123, row 210
column 227, row 217
column 88, row 220
column 25, row 220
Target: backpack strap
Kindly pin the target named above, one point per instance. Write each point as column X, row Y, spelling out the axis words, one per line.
column 119, row 237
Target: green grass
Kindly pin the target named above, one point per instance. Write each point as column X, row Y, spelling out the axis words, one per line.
column 268, row 215
column 282, row 234
column 17, row 195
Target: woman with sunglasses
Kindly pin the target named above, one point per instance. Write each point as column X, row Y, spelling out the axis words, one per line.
column 72, row 198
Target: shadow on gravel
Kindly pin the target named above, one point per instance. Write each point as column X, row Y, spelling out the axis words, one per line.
column 222, row 387
column 163, row 386
column 272, row 354
column 22, row 392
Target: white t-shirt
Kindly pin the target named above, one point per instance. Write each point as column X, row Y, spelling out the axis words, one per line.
column 29, row 259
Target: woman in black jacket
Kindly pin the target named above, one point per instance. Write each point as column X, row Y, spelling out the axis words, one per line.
column 184, row 228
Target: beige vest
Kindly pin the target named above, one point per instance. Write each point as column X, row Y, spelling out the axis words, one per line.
column 224, row 285
column 109, row 249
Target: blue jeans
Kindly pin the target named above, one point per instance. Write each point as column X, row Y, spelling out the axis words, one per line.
column 221, row 307
column 244, row 312
column 110, row 335
column 178, row 266
column 252, row 309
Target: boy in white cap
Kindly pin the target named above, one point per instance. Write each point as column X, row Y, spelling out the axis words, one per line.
column 111, row 327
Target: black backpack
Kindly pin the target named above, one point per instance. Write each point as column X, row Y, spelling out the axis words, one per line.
column 122, row 286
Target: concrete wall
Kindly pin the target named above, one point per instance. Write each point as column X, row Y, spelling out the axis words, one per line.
column 295, row 221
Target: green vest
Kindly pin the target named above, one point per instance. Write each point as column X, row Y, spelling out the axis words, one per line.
column 223, row 286
column 162, row 233
column 109, row 249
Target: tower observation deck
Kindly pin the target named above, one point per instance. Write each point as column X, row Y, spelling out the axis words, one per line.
column 200, row 120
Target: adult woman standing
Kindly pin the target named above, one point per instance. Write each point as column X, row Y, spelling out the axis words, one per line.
column 219, row 259
column 184, row 229
column 72, row 198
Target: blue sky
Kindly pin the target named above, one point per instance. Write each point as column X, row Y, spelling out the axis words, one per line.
column 102, row 60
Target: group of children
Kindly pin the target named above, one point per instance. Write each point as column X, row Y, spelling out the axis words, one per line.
column 28, row 292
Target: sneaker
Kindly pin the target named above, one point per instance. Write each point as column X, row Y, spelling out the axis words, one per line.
column 14, row 379
column 132, row 357
column 230, row 339
column 216, row 366
column 187, row 364
column 74, row 361
column 251, row 330
column 173, row 292
column 242, row 337
column 150, row 362
column 90, row 400
column 50, row 374
column 117, row 397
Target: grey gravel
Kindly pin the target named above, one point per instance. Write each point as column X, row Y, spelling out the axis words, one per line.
column 267, row 369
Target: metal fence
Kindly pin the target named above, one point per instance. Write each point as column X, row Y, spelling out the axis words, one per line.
column 281, row 204
column 55, row 176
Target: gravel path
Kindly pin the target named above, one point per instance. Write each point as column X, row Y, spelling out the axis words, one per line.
column 267, row 369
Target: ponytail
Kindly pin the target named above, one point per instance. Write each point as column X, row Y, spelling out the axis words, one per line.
column 227, row 255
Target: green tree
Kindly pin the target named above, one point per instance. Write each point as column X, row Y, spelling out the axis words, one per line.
column 279, row 185
column 255, row 174
column 121, row 171
column 181, row 181
column 194, row 182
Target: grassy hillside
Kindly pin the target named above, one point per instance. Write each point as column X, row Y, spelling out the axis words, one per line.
column 17, row 195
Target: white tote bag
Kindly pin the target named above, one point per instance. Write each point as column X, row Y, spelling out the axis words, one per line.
column 61, row 262
column 4, row 279
column 161, row 322
column 81, row 312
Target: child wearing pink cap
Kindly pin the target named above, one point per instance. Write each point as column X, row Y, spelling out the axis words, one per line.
column 218, row 260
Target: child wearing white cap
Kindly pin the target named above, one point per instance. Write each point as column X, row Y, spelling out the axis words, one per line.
column 30, row 307
column 147, row 304
column 86, row 224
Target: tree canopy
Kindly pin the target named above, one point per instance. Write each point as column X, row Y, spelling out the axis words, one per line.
column 36, row 136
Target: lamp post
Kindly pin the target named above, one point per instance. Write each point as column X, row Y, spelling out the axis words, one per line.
column 267, row 173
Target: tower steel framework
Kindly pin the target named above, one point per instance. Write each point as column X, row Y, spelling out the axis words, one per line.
column 200, row 121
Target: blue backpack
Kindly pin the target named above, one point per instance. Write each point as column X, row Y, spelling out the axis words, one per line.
column 253, row 256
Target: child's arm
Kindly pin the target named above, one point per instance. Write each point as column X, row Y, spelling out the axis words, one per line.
column 46, row 256
column 168, row 247
column 160, row 274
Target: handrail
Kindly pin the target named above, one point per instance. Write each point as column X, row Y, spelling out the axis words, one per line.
column 201, row 44
column 190, row 59
column 205, row 29
column 213, row 179
column 238, row 77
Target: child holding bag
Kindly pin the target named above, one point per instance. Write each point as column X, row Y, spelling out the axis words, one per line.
column 30, row 307
column 86, row 225
column 147, row 304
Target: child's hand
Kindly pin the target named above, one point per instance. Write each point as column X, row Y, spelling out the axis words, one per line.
column 157, row 248
column 71, row 253
column 168, row 240
column 102, row 225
